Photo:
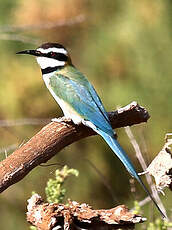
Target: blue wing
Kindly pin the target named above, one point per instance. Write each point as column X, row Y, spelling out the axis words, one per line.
column 91, row 107
column 81, row 97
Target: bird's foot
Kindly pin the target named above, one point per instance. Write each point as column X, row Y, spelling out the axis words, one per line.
column 62, row 120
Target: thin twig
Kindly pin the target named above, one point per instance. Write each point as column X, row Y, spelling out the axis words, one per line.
column 8, row 148
column 46, row 25
column 20, row 38
column 103, row 179
column 144, row 167
column 25, row 121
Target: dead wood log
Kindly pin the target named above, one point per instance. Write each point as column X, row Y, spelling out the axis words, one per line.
column 46, row 216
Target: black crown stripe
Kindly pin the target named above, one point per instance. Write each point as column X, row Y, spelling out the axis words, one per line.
column 51, row 45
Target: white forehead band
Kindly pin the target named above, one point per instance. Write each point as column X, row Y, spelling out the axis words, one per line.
column 53, row 49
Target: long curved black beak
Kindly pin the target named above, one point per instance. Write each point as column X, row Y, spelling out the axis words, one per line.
column 30, row 52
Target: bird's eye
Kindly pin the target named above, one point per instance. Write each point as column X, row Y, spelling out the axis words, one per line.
column 52, row 54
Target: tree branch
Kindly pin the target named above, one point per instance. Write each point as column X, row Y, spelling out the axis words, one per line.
column 54, row 137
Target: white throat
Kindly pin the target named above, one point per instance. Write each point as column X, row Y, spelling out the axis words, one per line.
column 45, row 62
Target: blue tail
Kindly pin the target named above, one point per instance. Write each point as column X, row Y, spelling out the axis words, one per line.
column 117, row 149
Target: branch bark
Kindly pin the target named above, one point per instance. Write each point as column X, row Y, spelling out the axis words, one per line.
column 54, row 137
column 75, row 216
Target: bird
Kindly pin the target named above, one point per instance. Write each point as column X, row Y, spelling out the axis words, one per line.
column 79, row 100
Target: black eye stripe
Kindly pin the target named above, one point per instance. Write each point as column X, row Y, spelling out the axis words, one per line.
column 61, row 57
column 57, row 56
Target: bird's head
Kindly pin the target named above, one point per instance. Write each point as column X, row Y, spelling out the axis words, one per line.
column 50, row 55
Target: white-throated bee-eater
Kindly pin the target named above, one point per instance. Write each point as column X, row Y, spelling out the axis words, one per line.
column 78, row 98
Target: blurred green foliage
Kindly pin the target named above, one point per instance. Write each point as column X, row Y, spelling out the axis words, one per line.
column 125, row 49
column 55, row 192
column 159, row 225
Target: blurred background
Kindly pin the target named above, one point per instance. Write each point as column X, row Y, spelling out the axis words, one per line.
column 125, row 50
